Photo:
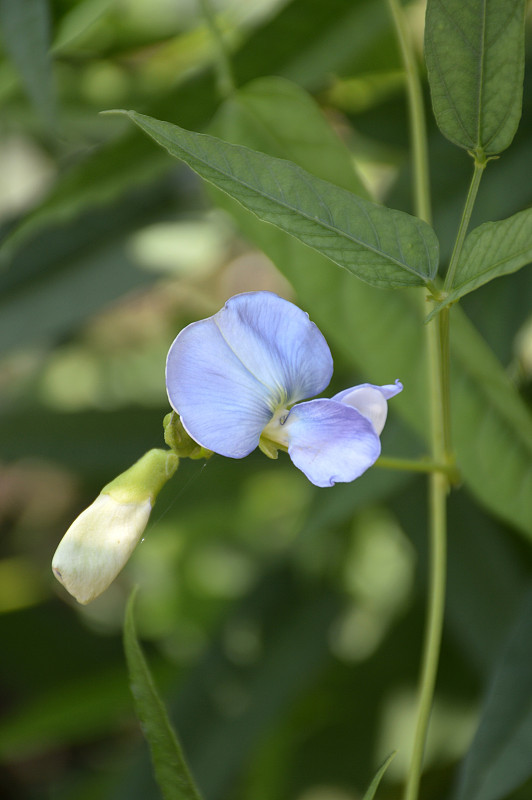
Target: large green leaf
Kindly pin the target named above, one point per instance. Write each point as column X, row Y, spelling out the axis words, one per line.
column 24, row 26
column 499, row 758
column 381, row 246
column 491, row 250
column 381, row 333
column 475, row 60
column 171, row 770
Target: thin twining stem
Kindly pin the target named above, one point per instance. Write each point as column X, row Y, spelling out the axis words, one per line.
column 226, row 81
column 439, row 393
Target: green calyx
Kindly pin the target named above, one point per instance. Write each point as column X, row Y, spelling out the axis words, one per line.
column 269, row 448
column 179, row 441
column 145, row 479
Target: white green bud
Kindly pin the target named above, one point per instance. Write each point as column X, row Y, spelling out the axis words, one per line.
column 100, row 541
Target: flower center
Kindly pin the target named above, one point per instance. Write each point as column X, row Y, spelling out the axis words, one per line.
column 274, row 436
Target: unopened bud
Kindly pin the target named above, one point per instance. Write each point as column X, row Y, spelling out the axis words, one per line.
column 100, row 541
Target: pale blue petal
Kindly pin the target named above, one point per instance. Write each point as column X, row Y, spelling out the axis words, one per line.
column 278, row 344
column 330, row 442
column 227, row 374
column 388, row 390
column 370, row 400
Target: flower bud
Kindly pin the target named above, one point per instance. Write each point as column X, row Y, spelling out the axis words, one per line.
column 100, row 541
column 180, row 441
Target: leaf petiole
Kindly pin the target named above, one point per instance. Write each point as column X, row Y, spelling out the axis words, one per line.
column 418, row 465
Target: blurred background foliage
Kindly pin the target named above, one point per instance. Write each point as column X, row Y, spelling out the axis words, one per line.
column 283, row 622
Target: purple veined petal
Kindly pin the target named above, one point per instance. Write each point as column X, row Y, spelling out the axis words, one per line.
column 276, row 341
column 227, row 374
column 370, row 400
column 330, row 442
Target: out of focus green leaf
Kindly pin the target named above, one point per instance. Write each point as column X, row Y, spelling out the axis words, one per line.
column 304, row 41
column 48, row 721
column 77, row 20
column 497, row 762
column 82, row 441
column 374, row 785
column 92, row 184
column 45, row 311
column 487, row 574
column 300, row 132
column 171, row 770
column 475, row 61
column 308, row 40
column 62, row 276
column 227, row 704
column 24, row 28
column 491, row 250
column 491, row 426
column 381, row 334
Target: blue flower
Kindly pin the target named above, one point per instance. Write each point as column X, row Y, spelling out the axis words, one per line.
column 234, row 379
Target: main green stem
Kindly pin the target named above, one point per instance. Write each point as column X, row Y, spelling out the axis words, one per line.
column 438, row 487
column 439, row 431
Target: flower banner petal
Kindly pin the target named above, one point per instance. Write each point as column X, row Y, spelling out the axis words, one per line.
column 330, row 442
column 276, row 341
column 370, row 400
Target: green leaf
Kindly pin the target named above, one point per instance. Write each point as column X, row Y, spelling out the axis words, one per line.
column 383, row 247
column 171, row 771
column 491, row 250
column 475, row 61
column 24, row 25
column 380, row 333
column 498, row 761
column 372, row 788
